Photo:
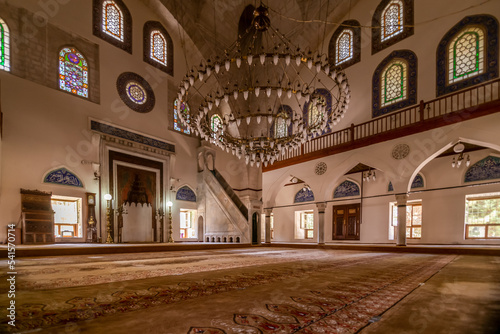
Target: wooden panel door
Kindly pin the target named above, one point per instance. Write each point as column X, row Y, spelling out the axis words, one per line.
column 346, row 222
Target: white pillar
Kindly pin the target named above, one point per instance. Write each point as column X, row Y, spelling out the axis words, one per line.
column 401, row 202
column 321, row 222
column 268, row 225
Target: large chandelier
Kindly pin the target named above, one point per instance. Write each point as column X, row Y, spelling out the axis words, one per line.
column 251, row 101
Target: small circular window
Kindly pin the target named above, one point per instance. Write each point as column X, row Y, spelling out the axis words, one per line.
column 135, row 92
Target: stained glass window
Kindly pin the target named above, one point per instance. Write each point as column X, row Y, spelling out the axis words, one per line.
column 315, row 116
column 215, row 124
column 344, row 47
column 392, row 19
column 4, row 46
column 280, row 126
column 73, row 72
column 394, row 82
column 136, row 92
column 158, row 50
column 466, row 54
column 183, row 108
column 112, row 20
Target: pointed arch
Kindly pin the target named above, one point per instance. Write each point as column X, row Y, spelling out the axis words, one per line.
column 391, row 23
column 185, row 193
column 4, row 46
column 467, row 54
column 62, row 176
column 313, row 115
column 158, row 47
column 344, row 48
column 394, row 83
column 73, row 72
column 348, row 188
column 282, row 125
column 304, row 195
column 483, row 170
column 418, row 182
column 112, row 22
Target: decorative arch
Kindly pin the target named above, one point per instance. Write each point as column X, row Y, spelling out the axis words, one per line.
column 304, row 195
column 112, row 22
column 344, row 48
column 418, row 182
column 64, row 177
column 347, row 188
column 394, row 83
column 215, row 124
column 391, row 23
column 311, row 111
column 477, row 36
column 4, row 46
column 158, row 47
column 185, row 193
column 73, row 72
column 483, row 170
column 390, row 187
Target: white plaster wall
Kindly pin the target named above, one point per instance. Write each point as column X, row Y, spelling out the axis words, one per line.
column 46, row 128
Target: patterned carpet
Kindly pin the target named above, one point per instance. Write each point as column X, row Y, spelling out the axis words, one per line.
column 244, row 291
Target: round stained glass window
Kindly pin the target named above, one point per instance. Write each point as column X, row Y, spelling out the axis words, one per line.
column 136, row 92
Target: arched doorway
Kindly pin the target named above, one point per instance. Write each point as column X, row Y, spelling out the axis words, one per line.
column 255, row 228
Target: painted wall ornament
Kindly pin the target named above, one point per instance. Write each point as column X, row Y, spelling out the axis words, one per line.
column 304, row 195
column 485, row 169
column 185, row 194
column 64, row 177
column 346, row 189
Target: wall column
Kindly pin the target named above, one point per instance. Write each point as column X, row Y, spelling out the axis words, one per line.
column 401, row 202
column 321, row 222
column 268, row 225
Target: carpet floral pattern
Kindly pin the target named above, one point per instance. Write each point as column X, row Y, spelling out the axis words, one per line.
column 342, row 303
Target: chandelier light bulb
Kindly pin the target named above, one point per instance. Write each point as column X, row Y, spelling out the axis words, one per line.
column 200, row 75
column 238, row 62
column 217, row 67
column 209, row 70
column 467, row 163
column 275, row 59
column 257, row 91
column 268, row 91
column 287, row 59
column 309, row 63
column 227, row 64
column 235, row 94
column 250, row 59
column 262, row 57
column 297, row 60
column 245, row 94
column 279, row 91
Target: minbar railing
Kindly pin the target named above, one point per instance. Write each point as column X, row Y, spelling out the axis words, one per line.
column 468, row 103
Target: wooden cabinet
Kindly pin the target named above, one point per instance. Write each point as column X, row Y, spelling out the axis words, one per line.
column 37, row 217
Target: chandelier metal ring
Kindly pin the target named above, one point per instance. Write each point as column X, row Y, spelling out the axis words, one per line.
column 259, row 90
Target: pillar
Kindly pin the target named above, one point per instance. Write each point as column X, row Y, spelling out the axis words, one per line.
column 268, row 225
column 321, row 222
column 401, row 202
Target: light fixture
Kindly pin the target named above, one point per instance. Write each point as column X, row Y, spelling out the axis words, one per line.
column 370, row 175
column 169, row 205
column 247, row 92
column 108, row 197
column 457, row 161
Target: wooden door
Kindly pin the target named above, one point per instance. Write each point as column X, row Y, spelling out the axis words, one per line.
column 346, row 222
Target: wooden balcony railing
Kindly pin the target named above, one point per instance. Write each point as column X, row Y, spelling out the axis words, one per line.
column 469, row 103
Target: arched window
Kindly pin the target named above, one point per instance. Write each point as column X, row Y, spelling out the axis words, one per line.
column 392, row 20
column 158, row 47
column 181, row 106
column 468, row 54
column 112, row 19
column 73, row 72
column 4, row 46
column 391, row 23
column 215, row 123
column 395, row 83
column 345, row 45
column 280, row 126
column 313, row 115
column 112, row 22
